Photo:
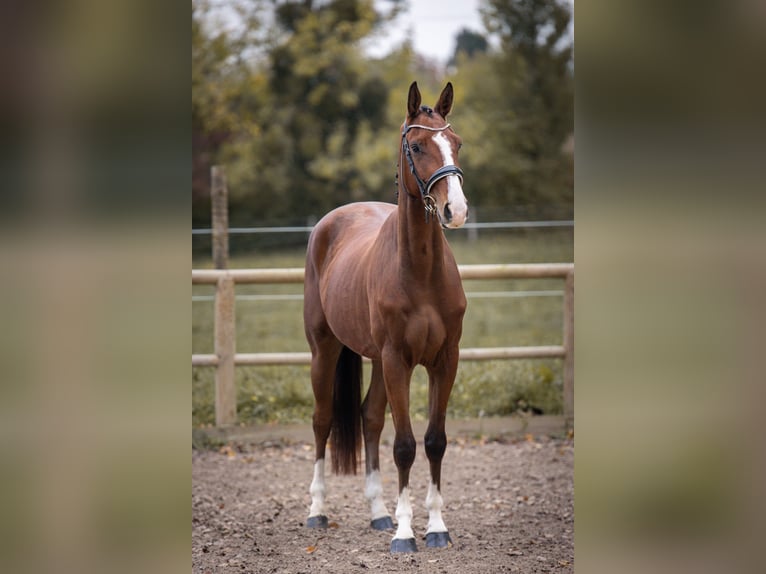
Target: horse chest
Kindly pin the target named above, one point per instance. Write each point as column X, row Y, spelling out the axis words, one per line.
column 420, row 331
column 425, row 332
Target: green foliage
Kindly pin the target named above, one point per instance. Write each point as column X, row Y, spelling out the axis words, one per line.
column 274, row 394
column 520, row 102
column 227, row 98
column 469, row 44
column 492, row 388
column 506, row 388
column 203, row 396
column 304, row 121
column 317, row 114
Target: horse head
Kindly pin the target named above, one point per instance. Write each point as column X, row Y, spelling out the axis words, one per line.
column 430, row 149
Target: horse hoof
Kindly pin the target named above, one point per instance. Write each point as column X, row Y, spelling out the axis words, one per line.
column 382, row 523
column 438, row 540
column 403, row 545
column 317, row 522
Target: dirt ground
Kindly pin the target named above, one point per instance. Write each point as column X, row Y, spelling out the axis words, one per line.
column 509, row 505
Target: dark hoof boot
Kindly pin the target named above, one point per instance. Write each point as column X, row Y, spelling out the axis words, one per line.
column 317, row 522
column 438, row 540
column 382, row 523
column 403, row 545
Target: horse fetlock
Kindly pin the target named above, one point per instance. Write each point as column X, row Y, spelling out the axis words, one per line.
column 374, row 493
column 434, row 505
column 317, row 489
column 404, row 515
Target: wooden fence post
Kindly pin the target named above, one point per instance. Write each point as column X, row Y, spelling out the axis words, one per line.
column 219, row 205
column 568, row 342
column 225, row 348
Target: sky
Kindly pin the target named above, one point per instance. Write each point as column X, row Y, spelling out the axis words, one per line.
column 432, row 25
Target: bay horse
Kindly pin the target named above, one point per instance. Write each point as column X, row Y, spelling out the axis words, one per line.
column 381, row 282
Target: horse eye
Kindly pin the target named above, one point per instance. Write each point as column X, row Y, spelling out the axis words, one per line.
column 460, row 145
column 415, row 147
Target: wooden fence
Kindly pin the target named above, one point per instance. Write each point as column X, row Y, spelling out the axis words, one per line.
column 225, row 358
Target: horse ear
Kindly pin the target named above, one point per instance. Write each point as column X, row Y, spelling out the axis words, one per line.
column 444, row 105
column 413, row 100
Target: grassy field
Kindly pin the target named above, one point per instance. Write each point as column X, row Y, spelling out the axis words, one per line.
column 283, row 394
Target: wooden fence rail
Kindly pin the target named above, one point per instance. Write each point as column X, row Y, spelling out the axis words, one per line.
column 226, row 358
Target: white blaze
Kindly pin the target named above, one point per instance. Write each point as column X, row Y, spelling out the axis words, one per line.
column 457, row 202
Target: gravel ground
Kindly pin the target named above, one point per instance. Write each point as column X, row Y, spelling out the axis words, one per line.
column 509, row 506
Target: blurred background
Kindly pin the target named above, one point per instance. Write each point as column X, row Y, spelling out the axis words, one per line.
column 301, row 103
column 95, row 249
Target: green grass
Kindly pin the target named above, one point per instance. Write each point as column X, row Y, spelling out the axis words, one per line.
column 283, row 394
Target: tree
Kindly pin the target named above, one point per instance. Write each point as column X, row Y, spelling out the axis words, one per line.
column 225, row 97
column 521, row 102
column 469, row 43
column 304, row 121
column 318, row 133
column 537, row 31
column 210, row 121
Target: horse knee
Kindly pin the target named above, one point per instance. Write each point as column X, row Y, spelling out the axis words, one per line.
column 404, row 451
column 436, row 444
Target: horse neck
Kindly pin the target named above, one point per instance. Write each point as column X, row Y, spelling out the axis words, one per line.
column 420, row 243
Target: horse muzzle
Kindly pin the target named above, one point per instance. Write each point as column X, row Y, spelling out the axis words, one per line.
column 451, row 220
column 454, row 212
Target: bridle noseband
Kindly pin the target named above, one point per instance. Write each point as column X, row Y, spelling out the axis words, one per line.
column 425, row 186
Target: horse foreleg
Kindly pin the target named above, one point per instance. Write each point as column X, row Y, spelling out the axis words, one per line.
column 397, row 381
column 437, row 535
column 373, row 418
column 440, row 383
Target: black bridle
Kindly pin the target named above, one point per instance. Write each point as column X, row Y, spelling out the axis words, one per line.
column 425, row 186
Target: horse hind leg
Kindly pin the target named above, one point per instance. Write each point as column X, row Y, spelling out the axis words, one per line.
column 323, row 362
column 373, row 419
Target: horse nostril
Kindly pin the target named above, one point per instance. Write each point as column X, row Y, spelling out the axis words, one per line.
column 447, row 213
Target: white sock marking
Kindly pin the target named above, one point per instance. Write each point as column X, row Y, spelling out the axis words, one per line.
column 404, row 516
column 374, row 493
column 457, row 202
column 317, row 489
column 434, row 504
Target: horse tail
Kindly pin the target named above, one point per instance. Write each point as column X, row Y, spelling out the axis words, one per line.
column 347, row 413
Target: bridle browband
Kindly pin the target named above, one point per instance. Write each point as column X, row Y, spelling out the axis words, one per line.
column 425, row 186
